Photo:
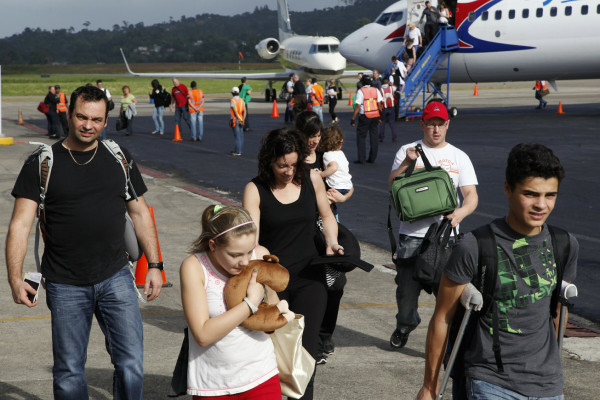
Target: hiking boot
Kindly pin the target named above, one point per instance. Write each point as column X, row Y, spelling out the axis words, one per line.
column 398, row 339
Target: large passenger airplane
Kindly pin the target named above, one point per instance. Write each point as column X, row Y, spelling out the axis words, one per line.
column 500, row 40
column 308, row 56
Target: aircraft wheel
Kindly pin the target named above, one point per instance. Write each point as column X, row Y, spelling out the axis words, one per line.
column 339, row 94
column 453, row 112
column 267, row 95
column 273, row 94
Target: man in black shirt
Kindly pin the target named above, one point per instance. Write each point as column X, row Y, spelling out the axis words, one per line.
column 84, row 263
column 431, row 14
column 52, row 116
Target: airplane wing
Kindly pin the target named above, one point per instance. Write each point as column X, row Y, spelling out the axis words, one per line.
column 273, row 76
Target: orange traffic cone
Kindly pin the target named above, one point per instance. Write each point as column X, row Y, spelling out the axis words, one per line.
column 20, row 121
column 475, row 92
column 350, row 98
column 141, row 267
column 275, row 113
column 177, row 137
column 560, row 110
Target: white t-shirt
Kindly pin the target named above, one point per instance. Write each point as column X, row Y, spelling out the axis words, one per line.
column 236, row 363
column 414, row 34
column 107, row 93
column 458, row 165
column 360, row 98
column 340, row 179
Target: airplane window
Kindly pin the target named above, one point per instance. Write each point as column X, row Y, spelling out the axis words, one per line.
column 484, row 16
column 383, row 19
column 472, row 16
column 334, row 48
column 584, row 10
column 553, row 11
column 598, row 9
column 511, row 14
column 323, row 48
column 568, row 10
column 498, row 14
column 397, row 16
column 313, row 49
column 539, row 12
column 525, row 13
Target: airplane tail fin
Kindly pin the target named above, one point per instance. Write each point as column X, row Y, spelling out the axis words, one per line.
column 283, row 17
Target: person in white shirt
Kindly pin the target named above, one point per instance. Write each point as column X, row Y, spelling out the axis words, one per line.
column 337, row 171
column 435, row 125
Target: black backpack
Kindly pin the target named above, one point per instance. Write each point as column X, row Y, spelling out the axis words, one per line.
column 485, row 282
column 164, row 98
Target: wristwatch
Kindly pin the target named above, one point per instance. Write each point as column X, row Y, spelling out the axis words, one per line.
column 253, row 308
column 158, row 265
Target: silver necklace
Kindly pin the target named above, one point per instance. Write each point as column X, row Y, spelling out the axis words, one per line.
column 85, row 163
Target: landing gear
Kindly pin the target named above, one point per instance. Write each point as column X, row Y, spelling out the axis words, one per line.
column 270, row 93
column 267, row 96
column 273, row 94
column 339, row 92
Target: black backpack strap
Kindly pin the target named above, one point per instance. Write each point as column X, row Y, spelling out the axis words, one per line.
column 485, row 282
column 561, row 247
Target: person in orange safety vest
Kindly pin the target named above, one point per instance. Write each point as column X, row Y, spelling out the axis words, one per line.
column 317, row 97
column 368, row 100
column 61, row 110
column 196, row 109
column 541, row 90
column 238, row 116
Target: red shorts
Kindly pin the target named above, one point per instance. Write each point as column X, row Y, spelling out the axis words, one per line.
column 269, row 390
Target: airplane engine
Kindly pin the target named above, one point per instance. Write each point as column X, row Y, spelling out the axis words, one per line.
column 268, row 48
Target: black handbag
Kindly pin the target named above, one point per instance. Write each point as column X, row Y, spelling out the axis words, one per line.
column 343, row 263
column 433, row 254
column 121, row 123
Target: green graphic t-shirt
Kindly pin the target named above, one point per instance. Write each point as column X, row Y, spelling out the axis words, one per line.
column 526, row 279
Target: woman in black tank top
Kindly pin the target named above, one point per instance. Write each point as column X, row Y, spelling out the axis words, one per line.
column 283, row 200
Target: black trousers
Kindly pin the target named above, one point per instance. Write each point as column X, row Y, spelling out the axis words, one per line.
column 367, row 126
column 62, row 117
column 52, row 123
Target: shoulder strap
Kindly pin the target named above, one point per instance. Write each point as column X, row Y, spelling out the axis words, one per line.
column 561, row 247
column 116, row 151
column 485, row 282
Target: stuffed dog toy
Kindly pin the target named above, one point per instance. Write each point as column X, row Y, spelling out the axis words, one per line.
column 270, row 273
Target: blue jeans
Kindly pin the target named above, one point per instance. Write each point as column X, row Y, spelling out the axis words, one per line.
column 238, row 137
column 157, row 116
column 481, row 390
column 197, row 119
column 407, row 289
column 114, row 303
column 319, row 111
column 182, row 112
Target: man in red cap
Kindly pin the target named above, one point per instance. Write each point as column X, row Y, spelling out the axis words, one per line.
column 456, row 162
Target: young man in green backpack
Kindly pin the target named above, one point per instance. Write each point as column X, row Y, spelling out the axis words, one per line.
column 525, row 363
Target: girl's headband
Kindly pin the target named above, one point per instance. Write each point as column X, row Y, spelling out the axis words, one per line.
column 232, row 228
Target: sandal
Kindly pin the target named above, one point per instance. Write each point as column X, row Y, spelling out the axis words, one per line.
column 154, row 132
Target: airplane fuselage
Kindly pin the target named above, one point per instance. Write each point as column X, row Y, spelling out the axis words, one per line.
column 500, row 40
column 312, row 56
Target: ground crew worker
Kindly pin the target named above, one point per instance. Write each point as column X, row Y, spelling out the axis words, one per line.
column 61, row 110
column 246, row 95
column 238, row 117
column 368, row 100
column 317, row 97
column 541, row 87
column 388, row 103
column 196, row 109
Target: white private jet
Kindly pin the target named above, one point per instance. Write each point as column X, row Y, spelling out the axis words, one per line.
column 308, row 56
column 500, row 40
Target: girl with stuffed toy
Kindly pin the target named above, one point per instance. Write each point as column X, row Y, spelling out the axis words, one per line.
column 225, row 358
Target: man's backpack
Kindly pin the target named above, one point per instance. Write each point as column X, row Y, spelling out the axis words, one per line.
column 45, row 157
column 485, row 282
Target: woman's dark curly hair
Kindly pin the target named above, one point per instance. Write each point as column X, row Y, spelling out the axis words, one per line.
column 308, row 124
column 278, row 143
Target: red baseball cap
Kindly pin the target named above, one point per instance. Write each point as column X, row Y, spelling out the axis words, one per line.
column 435, row 109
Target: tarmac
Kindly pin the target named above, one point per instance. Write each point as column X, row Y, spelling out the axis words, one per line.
column 362, row 367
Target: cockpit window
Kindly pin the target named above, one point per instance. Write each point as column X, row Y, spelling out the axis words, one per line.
column 323, row 48
column 389, row 18
column 334, row 48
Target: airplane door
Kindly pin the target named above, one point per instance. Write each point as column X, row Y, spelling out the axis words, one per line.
column 415, row 10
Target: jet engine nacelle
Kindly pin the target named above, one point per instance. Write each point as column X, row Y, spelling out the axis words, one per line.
column 268, row 48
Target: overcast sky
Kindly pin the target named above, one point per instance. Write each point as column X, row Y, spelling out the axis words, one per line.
column 57, row 14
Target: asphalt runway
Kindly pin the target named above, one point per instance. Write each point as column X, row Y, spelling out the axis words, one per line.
column 486, row 128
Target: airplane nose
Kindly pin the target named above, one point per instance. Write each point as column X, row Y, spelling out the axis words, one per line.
column 353, row 44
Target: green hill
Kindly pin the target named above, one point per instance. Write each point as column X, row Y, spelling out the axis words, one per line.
column 202, row 38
